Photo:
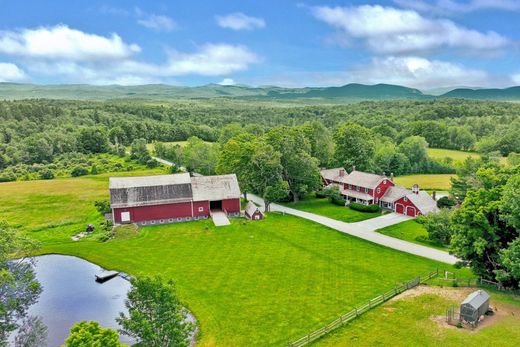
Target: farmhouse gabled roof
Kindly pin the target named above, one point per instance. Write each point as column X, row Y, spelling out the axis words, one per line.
column 251, row 208
column 395, row 193
column 214, row 188
column 334, row 174
column 476, row 299
column 423, row 201
column 364, row 179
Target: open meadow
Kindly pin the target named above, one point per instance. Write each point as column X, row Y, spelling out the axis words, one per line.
column 249, row 284
column 439, row 182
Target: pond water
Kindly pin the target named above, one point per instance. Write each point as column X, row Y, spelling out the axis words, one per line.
column 71, row 294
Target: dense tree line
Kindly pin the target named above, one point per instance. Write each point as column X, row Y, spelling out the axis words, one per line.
column 40, row 132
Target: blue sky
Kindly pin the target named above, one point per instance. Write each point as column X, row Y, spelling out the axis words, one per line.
column 423, row 44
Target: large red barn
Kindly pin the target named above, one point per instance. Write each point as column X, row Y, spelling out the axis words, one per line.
column 172, row 198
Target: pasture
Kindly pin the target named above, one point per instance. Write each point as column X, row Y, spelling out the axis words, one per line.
column 456, row 156
column 439, row 182
column 417, row 318
column 253, row 283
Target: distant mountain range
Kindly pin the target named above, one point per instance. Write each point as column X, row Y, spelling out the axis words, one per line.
column 349, row 92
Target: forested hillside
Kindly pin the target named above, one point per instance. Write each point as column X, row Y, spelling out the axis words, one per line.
column 36, row 133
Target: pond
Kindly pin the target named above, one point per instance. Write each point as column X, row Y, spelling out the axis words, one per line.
column 71, row 294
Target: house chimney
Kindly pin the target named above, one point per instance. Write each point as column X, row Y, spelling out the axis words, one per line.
column 392, row 176
column 434, row 195
column 341, row 172
column 415, row 189
column 353, row 167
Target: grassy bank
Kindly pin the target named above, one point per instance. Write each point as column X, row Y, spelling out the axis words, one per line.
column 410, row 231
column 324, row 207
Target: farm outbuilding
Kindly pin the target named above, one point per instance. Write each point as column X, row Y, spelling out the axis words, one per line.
column 253, row 212
column 172, row 198
column 475, row 305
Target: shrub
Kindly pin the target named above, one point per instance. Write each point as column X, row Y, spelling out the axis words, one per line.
column 321, row 194
column 445, row 202
column 364, row 208
column 46, row 174
column 337, row 200
column 79, row 171
column 151, row 163
column 103, row 206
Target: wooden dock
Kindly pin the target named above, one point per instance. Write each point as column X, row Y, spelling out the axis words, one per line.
column 105, row 276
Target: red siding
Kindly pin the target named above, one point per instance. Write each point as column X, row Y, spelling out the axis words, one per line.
column 406, row 207
column 382, row 188
column 201, row 204
column 231, row 205
column 157, row 212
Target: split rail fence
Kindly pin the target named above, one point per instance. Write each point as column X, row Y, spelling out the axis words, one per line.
column 356, row 312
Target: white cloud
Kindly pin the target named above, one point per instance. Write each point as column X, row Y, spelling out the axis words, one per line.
column 155, row 22
column 227, row 82
column 212, row 60
column 11, row 73
column 240, row 21
column 419, row 73
column 62, row 42
column 516, row 78
column 207, row 60
column 450, row 6
column 396, row 31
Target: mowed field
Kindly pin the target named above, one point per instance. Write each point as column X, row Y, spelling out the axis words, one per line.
column 439, row 182
column 260, row 283
column 411, row 231
column 324, row 207
column 456, row 156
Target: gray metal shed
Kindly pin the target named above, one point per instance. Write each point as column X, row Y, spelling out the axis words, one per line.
column 475, row 305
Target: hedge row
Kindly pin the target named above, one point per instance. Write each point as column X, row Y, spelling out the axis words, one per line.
column 364, row 208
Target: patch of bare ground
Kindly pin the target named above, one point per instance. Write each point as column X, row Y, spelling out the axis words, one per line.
column 500, row 311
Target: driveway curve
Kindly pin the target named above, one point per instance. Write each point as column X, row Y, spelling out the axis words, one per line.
column 366, row 230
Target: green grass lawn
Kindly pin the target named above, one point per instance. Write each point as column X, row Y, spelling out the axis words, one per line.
column 410, row 231
column 325, row 208
column 419, row 321
column 457, row 156
column 439, row 182
column 253, row 283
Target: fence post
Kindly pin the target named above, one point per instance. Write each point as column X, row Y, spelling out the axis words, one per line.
column 369, row 303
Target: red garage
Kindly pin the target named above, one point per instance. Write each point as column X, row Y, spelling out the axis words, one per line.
column 172, row 198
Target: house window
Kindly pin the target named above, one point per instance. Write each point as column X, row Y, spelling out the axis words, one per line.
column 378, row 190
column 384, row 181
column 349, row 186
column 125, row 216
column 405, row 199
column 357, row 188
column 170, row 220
column 201, row 209
column 152, row 222
column 366, row 190
column 179, row 219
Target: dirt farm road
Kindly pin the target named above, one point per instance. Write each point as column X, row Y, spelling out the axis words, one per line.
column 366, row 230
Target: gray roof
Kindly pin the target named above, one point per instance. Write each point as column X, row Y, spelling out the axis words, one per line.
column 395, row 193
column 333, row 174
column 364, row 179
column 149, row 190
column 251, row 208
column 166, row 189
column 424, row 202
column 476, row 299
column 356, row 194
column 215, row 187
column 148, row 181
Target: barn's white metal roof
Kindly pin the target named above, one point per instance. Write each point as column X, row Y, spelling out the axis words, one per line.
column 148, row 181
column 476, row 299
column 215, row 188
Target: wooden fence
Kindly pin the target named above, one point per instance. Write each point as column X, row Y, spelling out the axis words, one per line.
column 356, row 312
